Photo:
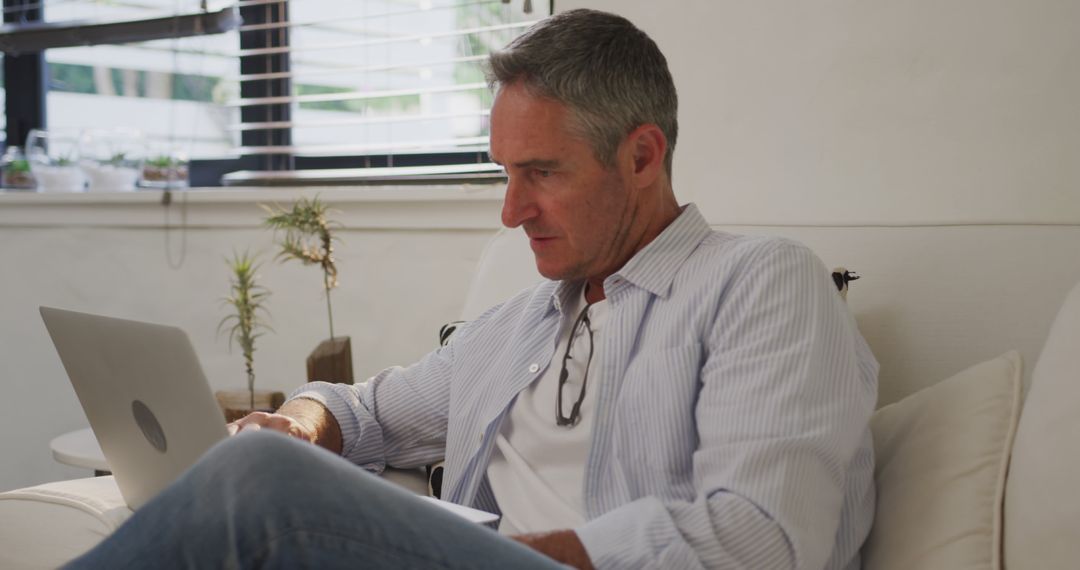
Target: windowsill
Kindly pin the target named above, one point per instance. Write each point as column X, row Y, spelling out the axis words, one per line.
column 465, row 206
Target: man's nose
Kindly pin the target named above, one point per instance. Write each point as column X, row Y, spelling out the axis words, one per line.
column 518, row 207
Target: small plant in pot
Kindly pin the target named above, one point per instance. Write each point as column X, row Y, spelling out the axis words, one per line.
column 118, row 173
column 15, row 170
column 165, row 171
column 308, row 238
column 54, row 161
column 112, row 158
column 245, row 324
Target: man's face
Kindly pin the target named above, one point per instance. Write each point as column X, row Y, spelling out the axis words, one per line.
column 576, row 212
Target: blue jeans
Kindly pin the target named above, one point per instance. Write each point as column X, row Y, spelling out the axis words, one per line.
column 263, row 500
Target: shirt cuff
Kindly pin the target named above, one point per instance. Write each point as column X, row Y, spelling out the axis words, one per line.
column 331, row 396
column 628, row 537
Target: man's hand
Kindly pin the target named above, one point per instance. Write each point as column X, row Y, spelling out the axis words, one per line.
column 561, row 545
column 278, row 422
column 301, row 418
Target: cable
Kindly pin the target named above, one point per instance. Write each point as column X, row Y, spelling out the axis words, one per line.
column 166, row 197
column 166, row 201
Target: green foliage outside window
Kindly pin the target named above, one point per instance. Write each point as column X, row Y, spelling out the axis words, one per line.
column 72, row 78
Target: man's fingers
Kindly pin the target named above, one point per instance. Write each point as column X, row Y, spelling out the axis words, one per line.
column 238, row 425
column 253, row 417
column 256, row 421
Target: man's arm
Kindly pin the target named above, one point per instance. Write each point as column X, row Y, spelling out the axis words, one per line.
column 781, row 423
column 311, row 421
column 301, row 418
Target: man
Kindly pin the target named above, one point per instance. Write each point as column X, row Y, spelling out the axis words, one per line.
column 673, row 397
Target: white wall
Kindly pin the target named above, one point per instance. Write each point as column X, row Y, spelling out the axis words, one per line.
column 872, row 111
column 401, row 278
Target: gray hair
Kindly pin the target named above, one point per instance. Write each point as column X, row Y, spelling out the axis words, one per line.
column 610, row 74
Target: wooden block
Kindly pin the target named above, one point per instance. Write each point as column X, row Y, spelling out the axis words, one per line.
column 331, row 361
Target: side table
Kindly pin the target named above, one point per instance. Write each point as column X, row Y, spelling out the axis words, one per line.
column 80, row 448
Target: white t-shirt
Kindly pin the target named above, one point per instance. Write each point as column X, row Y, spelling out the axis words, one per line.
column 537, row 468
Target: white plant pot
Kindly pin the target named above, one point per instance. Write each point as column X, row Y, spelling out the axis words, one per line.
column 59, row 178
column 111, row 178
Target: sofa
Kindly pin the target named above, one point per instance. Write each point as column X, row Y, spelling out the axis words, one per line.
column 977, row 434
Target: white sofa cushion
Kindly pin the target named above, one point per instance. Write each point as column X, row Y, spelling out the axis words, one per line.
column 506, row 266
column 942, row 455
column 48, row 525
column 1042, row 512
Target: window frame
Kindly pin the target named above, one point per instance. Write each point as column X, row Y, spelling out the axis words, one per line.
column 24, row 108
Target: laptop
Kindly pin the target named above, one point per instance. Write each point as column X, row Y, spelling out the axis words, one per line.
column 147, row 400
column 144, row 393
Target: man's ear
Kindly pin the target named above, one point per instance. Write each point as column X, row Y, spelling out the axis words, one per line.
column 646, row 146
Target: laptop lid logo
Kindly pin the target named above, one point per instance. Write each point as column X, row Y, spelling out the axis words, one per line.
column 149, row 425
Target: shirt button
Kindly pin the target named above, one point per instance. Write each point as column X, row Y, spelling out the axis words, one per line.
column 480, row 437
column 534, row 367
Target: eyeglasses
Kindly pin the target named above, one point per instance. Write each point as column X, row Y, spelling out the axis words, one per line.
column 575, row 412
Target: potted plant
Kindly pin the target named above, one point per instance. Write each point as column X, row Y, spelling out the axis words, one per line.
column 245, row 324
column 165, row 171
column 54, row 158
column 112, row 158
column 16, row 170
column 116, row 174
column 308, row 238
column 60, row 174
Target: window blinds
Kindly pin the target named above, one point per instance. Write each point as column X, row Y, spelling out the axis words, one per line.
column 303, row 90
column 368, row 87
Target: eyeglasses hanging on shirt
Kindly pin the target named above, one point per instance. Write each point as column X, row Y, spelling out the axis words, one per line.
column 575, row 412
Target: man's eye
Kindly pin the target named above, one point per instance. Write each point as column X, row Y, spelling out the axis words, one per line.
column 544, row 173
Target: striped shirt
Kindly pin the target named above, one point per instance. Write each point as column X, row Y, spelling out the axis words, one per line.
column 537, row 468
column 731, row 424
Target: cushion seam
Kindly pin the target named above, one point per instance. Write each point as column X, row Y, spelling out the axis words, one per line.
column 60, row 500
column 997, row 536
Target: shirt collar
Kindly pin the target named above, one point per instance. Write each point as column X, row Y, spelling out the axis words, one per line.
column 562, row 298
column 654, row 267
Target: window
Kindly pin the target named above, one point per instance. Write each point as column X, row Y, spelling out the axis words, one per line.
column 173, row 90
column 304, row 90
